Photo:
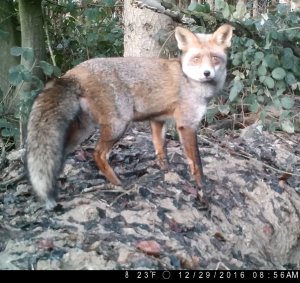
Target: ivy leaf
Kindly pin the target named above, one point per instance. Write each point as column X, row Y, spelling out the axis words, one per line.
column 271, row 61
column 287, row 126
column 16, row 51
column 235, row 90
column 290, row 79
column 26, row 52
column 262, row 70
column 287, row 102
column 269, row 82
column 110, row 3
column 254, row 106
column 15, row 75
column 10, row 132
column 4, row 123
column 56, row 71
column 278, row 73
column 259, row 55
column 47, row 68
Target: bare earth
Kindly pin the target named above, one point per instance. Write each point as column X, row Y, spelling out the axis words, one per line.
column 247, row 217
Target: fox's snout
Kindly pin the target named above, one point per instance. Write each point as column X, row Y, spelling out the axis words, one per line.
column 206, row 73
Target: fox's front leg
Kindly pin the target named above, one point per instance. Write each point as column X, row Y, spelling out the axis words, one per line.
column 158, row 137
column 188, row 138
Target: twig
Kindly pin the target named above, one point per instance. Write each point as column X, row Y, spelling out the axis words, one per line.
column 48, row 41
column 121, row 195
column 284, row 29
column 164, row 44
column 13, row 180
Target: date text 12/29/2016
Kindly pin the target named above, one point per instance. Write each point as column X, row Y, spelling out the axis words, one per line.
column 211, row 274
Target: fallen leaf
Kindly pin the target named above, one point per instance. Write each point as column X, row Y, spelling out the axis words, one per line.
column 149, row 247
column 219, row 237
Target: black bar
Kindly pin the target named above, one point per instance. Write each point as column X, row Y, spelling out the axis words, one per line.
column 165, row 275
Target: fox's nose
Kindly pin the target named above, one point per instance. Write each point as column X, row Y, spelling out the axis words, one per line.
column 206, row 73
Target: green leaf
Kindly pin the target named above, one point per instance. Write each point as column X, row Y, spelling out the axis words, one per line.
column 16, row 51
column 290, row 79
column 56, row 71
column 259, row 56
column 10, row 132
column 262, row 70
column 202, row 8
column 110, row 3
column 269, row 82
column 280, row 91
column 92, row 14
column 278, row 73
column 4, row 123
column 260, row 98
column 277, row 103
column 288, row 59
column 15, row 76
column 287, row 102
column 271, row 61
column 26, row 75
column 254, row 106
column 287, row 126
column 235, row 89
column 47, row 68
column 224, row 109
column 281, row 84
column 27, row 54
column 282, row 9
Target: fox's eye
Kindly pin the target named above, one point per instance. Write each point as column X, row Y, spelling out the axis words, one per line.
column 196, row 60
column 215, row 59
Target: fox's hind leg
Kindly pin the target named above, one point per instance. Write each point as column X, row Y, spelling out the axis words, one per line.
column 109, row 135
column 158, row 137
column 79, row 130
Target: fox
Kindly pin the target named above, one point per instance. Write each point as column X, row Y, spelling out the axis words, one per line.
column 111, row 93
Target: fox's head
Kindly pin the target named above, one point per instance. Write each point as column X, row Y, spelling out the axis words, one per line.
column 204, row 56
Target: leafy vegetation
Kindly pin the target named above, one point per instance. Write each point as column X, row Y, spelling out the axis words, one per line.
column 264, row 68
column 74, row 34
column 264, row 65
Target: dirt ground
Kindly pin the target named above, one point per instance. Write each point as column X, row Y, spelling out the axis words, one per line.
column 247, row 216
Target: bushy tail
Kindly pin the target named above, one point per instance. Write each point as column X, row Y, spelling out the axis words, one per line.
column 52, row 113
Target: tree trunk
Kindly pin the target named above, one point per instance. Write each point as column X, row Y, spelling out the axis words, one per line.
column 9, row 37
column 31, row 19
column 146, row 31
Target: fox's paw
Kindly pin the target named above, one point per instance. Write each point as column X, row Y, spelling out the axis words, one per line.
column 50, row 204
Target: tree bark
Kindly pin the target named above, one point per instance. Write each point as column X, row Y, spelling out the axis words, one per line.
column 10, row 37
column 31, row 19
column 145, row 31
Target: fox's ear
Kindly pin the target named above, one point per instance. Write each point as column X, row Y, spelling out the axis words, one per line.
column 184, row 38
column 222, row 36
